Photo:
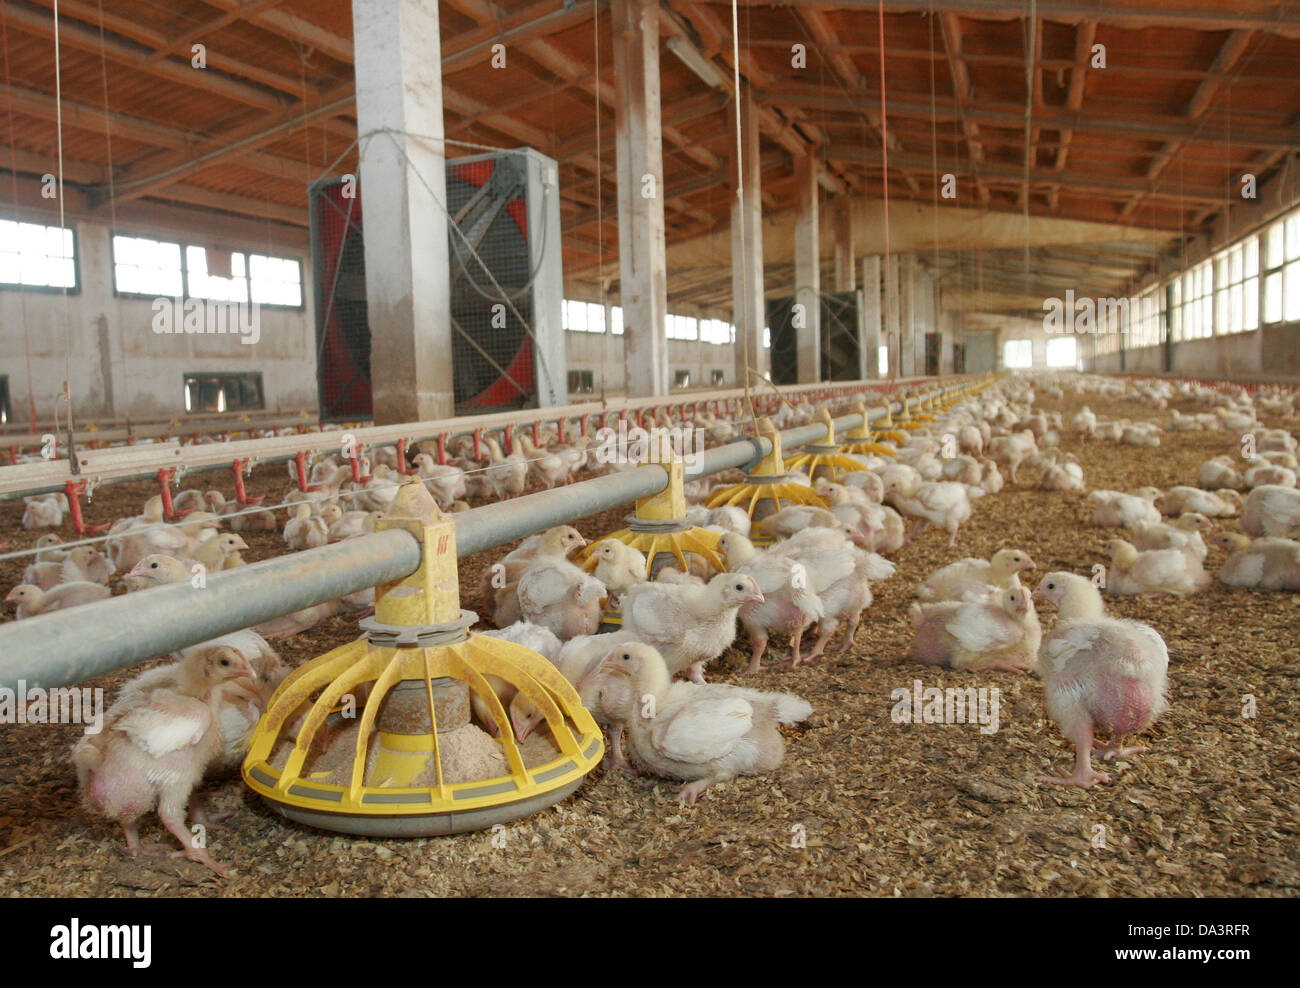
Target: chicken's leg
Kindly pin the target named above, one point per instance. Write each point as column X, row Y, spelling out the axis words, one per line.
column 1113, row 750
column 616, row 756
column 848, row 642
column 1083, row 776
column 760, row 646
column 696, row 673
column 173, row 818
column 691, row 792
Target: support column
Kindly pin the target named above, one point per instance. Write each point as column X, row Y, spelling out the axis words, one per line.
column 907, row 315
column 749, row 305
column 643, row 267
column 891, row 340
column 807, row 269
column 870, row 321
column 408, row 296
column 844, row 273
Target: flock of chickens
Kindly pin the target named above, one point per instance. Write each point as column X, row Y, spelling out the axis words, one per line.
column 802, row 572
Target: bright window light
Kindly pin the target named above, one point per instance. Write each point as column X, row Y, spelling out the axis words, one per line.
column 1062, row 351
column 36, row 255
column 147, row 267
column 1018, row 353
column 882, row 361
column 275, row 280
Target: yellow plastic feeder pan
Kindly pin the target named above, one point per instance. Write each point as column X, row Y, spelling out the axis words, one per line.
column 660, row 531
column 825, row 458
column 377, row 737
column 859, row 439
column 889, row 432
column 905, row 419
column 768, row 485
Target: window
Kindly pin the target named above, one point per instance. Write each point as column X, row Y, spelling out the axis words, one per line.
column 581, row 382
column 147, row 267
column 583, row 317
column 33, row 255
column 1018, row 353
column 1236, row 287
column 219, row 392
column 226, row 281
column 1282, row 270
column 616, row 320
column 682, row 379
column 882, row 361
column 1144, row 317
column 1192, row 298
column 681, row 327
column 717, row 331
column 6, row 412
column 1062, row 351
column 275, row 280
column 719, row 376
column 155, row 268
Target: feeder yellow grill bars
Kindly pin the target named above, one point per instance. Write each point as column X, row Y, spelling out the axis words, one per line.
column 376, row 737
column 769, row 482
column 889, row 433
column 860, row 440
column 825, row 456
column 659, row 529
column 928, row 405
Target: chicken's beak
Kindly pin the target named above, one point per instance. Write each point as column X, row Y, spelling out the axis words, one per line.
column 1038, row 594
column 756, row 596
column 239, row 543
column 12, row 595
column 1027, row 564
column 524, row 726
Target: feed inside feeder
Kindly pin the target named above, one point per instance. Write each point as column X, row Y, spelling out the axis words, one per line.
column 407, row 731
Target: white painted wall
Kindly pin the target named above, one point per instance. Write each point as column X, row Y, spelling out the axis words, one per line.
column 118, row 366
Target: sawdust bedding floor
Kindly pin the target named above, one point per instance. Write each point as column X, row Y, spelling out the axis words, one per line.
column 881, row 808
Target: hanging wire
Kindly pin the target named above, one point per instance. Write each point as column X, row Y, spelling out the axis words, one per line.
column 740, row 196
column 895, row 357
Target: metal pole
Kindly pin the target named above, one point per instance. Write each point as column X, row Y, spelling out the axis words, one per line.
column 72, row 646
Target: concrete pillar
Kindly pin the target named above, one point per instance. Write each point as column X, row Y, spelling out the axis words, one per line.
column 890, row 272
column 749, row 306
column 907, row 315
column 643, row 268
column 870, row 312
column 807, row 269
column 407, row 266
column 844, row 273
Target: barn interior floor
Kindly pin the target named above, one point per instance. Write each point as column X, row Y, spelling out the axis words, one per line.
column 883, row 809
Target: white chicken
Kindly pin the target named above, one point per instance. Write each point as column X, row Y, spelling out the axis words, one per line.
column 690, row 626
column 1115, row 509
column 1259, row 564
column 1098, row 672
column 1184, row 533
column 557, row 595
column 31, row 600
column 788, row 606
column 1169, row 571
column 306, row 530
column 994, row 632
column 944, row 503
column 956, row 580
column 508, row 475
column 618, row 566
column 1272, row 510
column 1177, row 500
column 703, row 734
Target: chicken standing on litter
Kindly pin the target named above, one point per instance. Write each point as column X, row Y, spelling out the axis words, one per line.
column 156, row 745
column 689, row 626
column 1098, row 672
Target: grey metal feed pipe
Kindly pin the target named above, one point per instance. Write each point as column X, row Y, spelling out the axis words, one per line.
column 71, row 646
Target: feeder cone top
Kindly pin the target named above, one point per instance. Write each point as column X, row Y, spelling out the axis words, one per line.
column 825, row 416
column 414, row 503
column 765, row 426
